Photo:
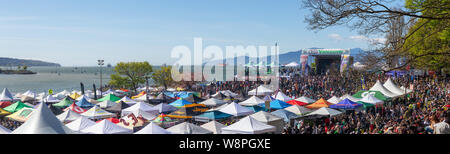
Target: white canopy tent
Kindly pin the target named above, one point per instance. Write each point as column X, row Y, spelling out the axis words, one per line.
column 350, row 98
column 4, row 130
column 324, row 111
column 298, row 110
column 260, row 91
column 164, row 108
column 407, row 89
column 51, row 99
column 371, row 100
column 106, row 104
column 62, row 94
column 282, row 97
column 213, row 102
column 292, row 64
column 152, row 128
column 214, row 126
column 252, row 101
column 270, row 119
column 106, row 127
column 188, row 128
column 390, row 85
column 218, row 108
column 248, row 125
column 128, row 100
column 305, row 100
column 141, row 109
column 42, row 121
column 97, row 113
column 6, row 95
column 68, row 116
column 379, row 87
column 236, row 110
column 334, row 100
column 80, row 123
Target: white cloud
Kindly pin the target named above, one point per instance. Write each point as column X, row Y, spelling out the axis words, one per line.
column 335, row 36
column 369, row 40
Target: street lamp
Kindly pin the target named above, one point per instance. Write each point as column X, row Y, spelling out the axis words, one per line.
column 101, row 63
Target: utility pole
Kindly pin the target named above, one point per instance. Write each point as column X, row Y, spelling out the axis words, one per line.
column 101, row 63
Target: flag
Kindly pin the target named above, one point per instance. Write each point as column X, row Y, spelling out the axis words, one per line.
column 344, row 63
column 363, row 83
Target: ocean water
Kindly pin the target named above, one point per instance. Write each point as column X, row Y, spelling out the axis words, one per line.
column 55, row 78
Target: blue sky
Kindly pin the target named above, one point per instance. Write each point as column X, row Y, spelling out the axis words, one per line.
column 77, row 33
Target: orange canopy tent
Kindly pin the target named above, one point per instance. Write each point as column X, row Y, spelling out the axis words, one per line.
column 319, row 104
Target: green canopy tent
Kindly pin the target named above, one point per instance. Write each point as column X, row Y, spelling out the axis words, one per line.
column 110, row 97
column 16, row 107
column 365, row 105
column 66, row 102
column 376, row 94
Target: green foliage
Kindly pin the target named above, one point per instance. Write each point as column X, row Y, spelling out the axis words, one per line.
column 163, row 77
column 429, row 40
column 430, row 44
column 130, row 75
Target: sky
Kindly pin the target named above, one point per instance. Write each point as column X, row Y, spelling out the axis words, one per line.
column 77, row 33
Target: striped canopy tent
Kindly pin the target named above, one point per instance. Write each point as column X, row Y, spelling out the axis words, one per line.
column 188, row 111
column 162, row 118
column 319, row 104
column 16, row 107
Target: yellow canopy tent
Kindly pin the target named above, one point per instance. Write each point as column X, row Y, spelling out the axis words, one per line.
column 75, row 95
column 139, row 95
column 22, row 115
column 3, row 112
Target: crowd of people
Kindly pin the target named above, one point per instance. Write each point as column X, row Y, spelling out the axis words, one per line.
column 423, row 111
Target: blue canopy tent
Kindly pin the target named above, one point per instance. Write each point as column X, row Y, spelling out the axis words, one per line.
column 346, row 104
column 255, row 108
column 180, row 103
column 277, row 104
column 214, row 115
column 83, row 103
column 286, row 115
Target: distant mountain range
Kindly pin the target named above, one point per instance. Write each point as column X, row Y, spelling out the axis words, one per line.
column 20, row 62
column 285, row 58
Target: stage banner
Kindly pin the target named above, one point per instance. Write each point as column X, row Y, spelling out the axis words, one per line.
column 344, row 63
column 303, row 60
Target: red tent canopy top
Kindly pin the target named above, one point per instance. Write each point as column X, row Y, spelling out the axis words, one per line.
column 295, row 102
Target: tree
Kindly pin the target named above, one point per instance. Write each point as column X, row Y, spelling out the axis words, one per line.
column 130, row 75
column 399, row 25
column 163, row 77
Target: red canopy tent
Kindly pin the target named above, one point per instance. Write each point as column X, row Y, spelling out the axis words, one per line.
column 5, row 104
column 75, row 108
column 113, row 120
column 295, row 102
